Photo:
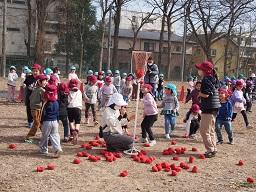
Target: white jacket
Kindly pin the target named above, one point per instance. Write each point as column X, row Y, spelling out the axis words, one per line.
column 75, row 99
column 12, row 78
column 110, row 118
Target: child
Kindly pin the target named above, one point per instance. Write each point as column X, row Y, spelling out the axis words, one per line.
column 11, row 83
column 209, row 105
column 90, row 95
column 48, row 72
column 63, row 93
column 190, row 86
column 194, row 94
column 192, row 121
column 150, row 115
column 238, row 101
column 89, row 74
column 117, row 81
column 73, row 75
column 224, row 117
column 248, row 95
column 170, row 105
column 160, row 87
column 30, row 83
column 50, row 122
column 56, row 72
column 75, row 103
column 123, row 117
column 127, row 89
column 107, row 91
column 53, row 80
column 124, row 75
column 23, row 76
column 36, row 104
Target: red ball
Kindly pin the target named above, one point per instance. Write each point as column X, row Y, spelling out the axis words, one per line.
column 39, row 169
column 139, row 73
column 174, row 173
column 12, row 146
column 80, row 154
column 194, row 149
column 50, row 166
column 154, row 169
column 191, row 159
column 124, row 174
column 176, row 158
column 173, row 142
column 241, row 163
column 195, row 169
column 76, row 161
column 250, row 180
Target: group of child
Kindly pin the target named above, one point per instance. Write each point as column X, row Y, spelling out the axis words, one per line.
column 49, row 100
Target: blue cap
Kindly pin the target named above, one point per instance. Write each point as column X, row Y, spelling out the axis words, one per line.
column 73, row 68
column 172, row 87
column 89, row 72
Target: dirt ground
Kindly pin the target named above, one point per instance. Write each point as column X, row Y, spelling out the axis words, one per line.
column 221, row 173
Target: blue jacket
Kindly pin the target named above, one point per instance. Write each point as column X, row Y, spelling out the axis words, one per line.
column 151, row 75
column 225, row 111
column 51, row 111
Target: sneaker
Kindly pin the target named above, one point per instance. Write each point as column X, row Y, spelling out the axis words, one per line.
column 210, row 154
column 66, row 139
column 144, row 140
column 57, row 154
column 30, row 141
column 249, row 126
column 43, row 152
column 167, row 136
column 219, row 143
column 231, row 143
column 152, row 143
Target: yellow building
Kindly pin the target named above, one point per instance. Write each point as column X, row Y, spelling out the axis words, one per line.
column 217, row 55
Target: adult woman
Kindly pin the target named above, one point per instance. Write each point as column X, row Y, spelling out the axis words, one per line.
column 209, row 105
column 112, row 129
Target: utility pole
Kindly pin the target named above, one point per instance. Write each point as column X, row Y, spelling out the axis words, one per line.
column 184, row 45
column 109, row 37
column 4, row 38
column 239, row 50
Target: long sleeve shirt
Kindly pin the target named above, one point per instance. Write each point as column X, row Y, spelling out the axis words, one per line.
column 110, row 118
column 225, row 111
column 75, row 99
column 12, row 78
column 150, row 107
column 90, row 94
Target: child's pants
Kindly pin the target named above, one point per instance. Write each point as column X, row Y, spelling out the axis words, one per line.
column 64, row 120
column 169, row 123
column 146, row 126
column 87, row 108
column 11, row 93
column 50, row 131
column 244, row 116
column 36, row 114
column 227, row 125
column 207, row 130
column 126, row 99
column 248, row 106
column 194, row 126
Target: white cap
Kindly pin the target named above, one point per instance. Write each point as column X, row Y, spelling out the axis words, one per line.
column 253, row 75
column 117, row 99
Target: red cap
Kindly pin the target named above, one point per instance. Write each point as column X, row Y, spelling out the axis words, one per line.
column 108, row 79
column 206, row 66
column 53, row 80
column 147, row 86
column 195, row 108
column 101, row 73
column 51, row 93
column 41, row 77
column 63, row 88
column 37, row 66
column 129, row 78
column 93, row 79
column 239, row 83
column 73, row 83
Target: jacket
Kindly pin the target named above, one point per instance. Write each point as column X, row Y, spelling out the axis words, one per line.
column 225, row 111
column 51, row 111
column 210, row 87
column 194, row 97
column 90, row 94
column 75, row 99
column 30, row 82
column 150, row 107
column 36, row 98
column 63, row 103
column 151, row 75
column 12, row 78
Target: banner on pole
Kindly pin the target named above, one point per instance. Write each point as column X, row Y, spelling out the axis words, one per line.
column 139, row 60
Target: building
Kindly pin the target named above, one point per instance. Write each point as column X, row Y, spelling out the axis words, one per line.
column 217, row 55
column 149, row 41
column 17, row 31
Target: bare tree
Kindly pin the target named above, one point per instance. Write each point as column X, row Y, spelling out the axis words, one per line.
column 41, row 16
column 238, row 9
column 205, row 19
column 171, row 12
column 27, row 40
column 137, row 25
column 105, row 6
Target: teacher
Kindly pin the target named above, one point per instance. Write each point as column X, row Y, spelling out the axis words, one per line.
column 112, row 129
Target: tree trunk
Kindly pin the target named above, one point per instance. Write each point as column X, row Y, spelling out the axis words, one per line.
column 226, row 56
column 103, row 26
column 29, row 25
column 67, row 37
column 117, row 19
column 161, row 41
column 82, row 46
column 169, row 47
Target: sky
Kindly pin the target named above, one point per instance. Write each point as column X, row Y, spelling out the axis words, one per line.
column 142, row 6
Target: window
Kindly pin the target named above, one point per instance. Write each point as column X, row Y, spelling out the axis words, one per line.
column 165, row 49
column 213, row 52
column 178, row 49
column 149, row 46
column 21, row 2
column 13, row 29
column 151, row 21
